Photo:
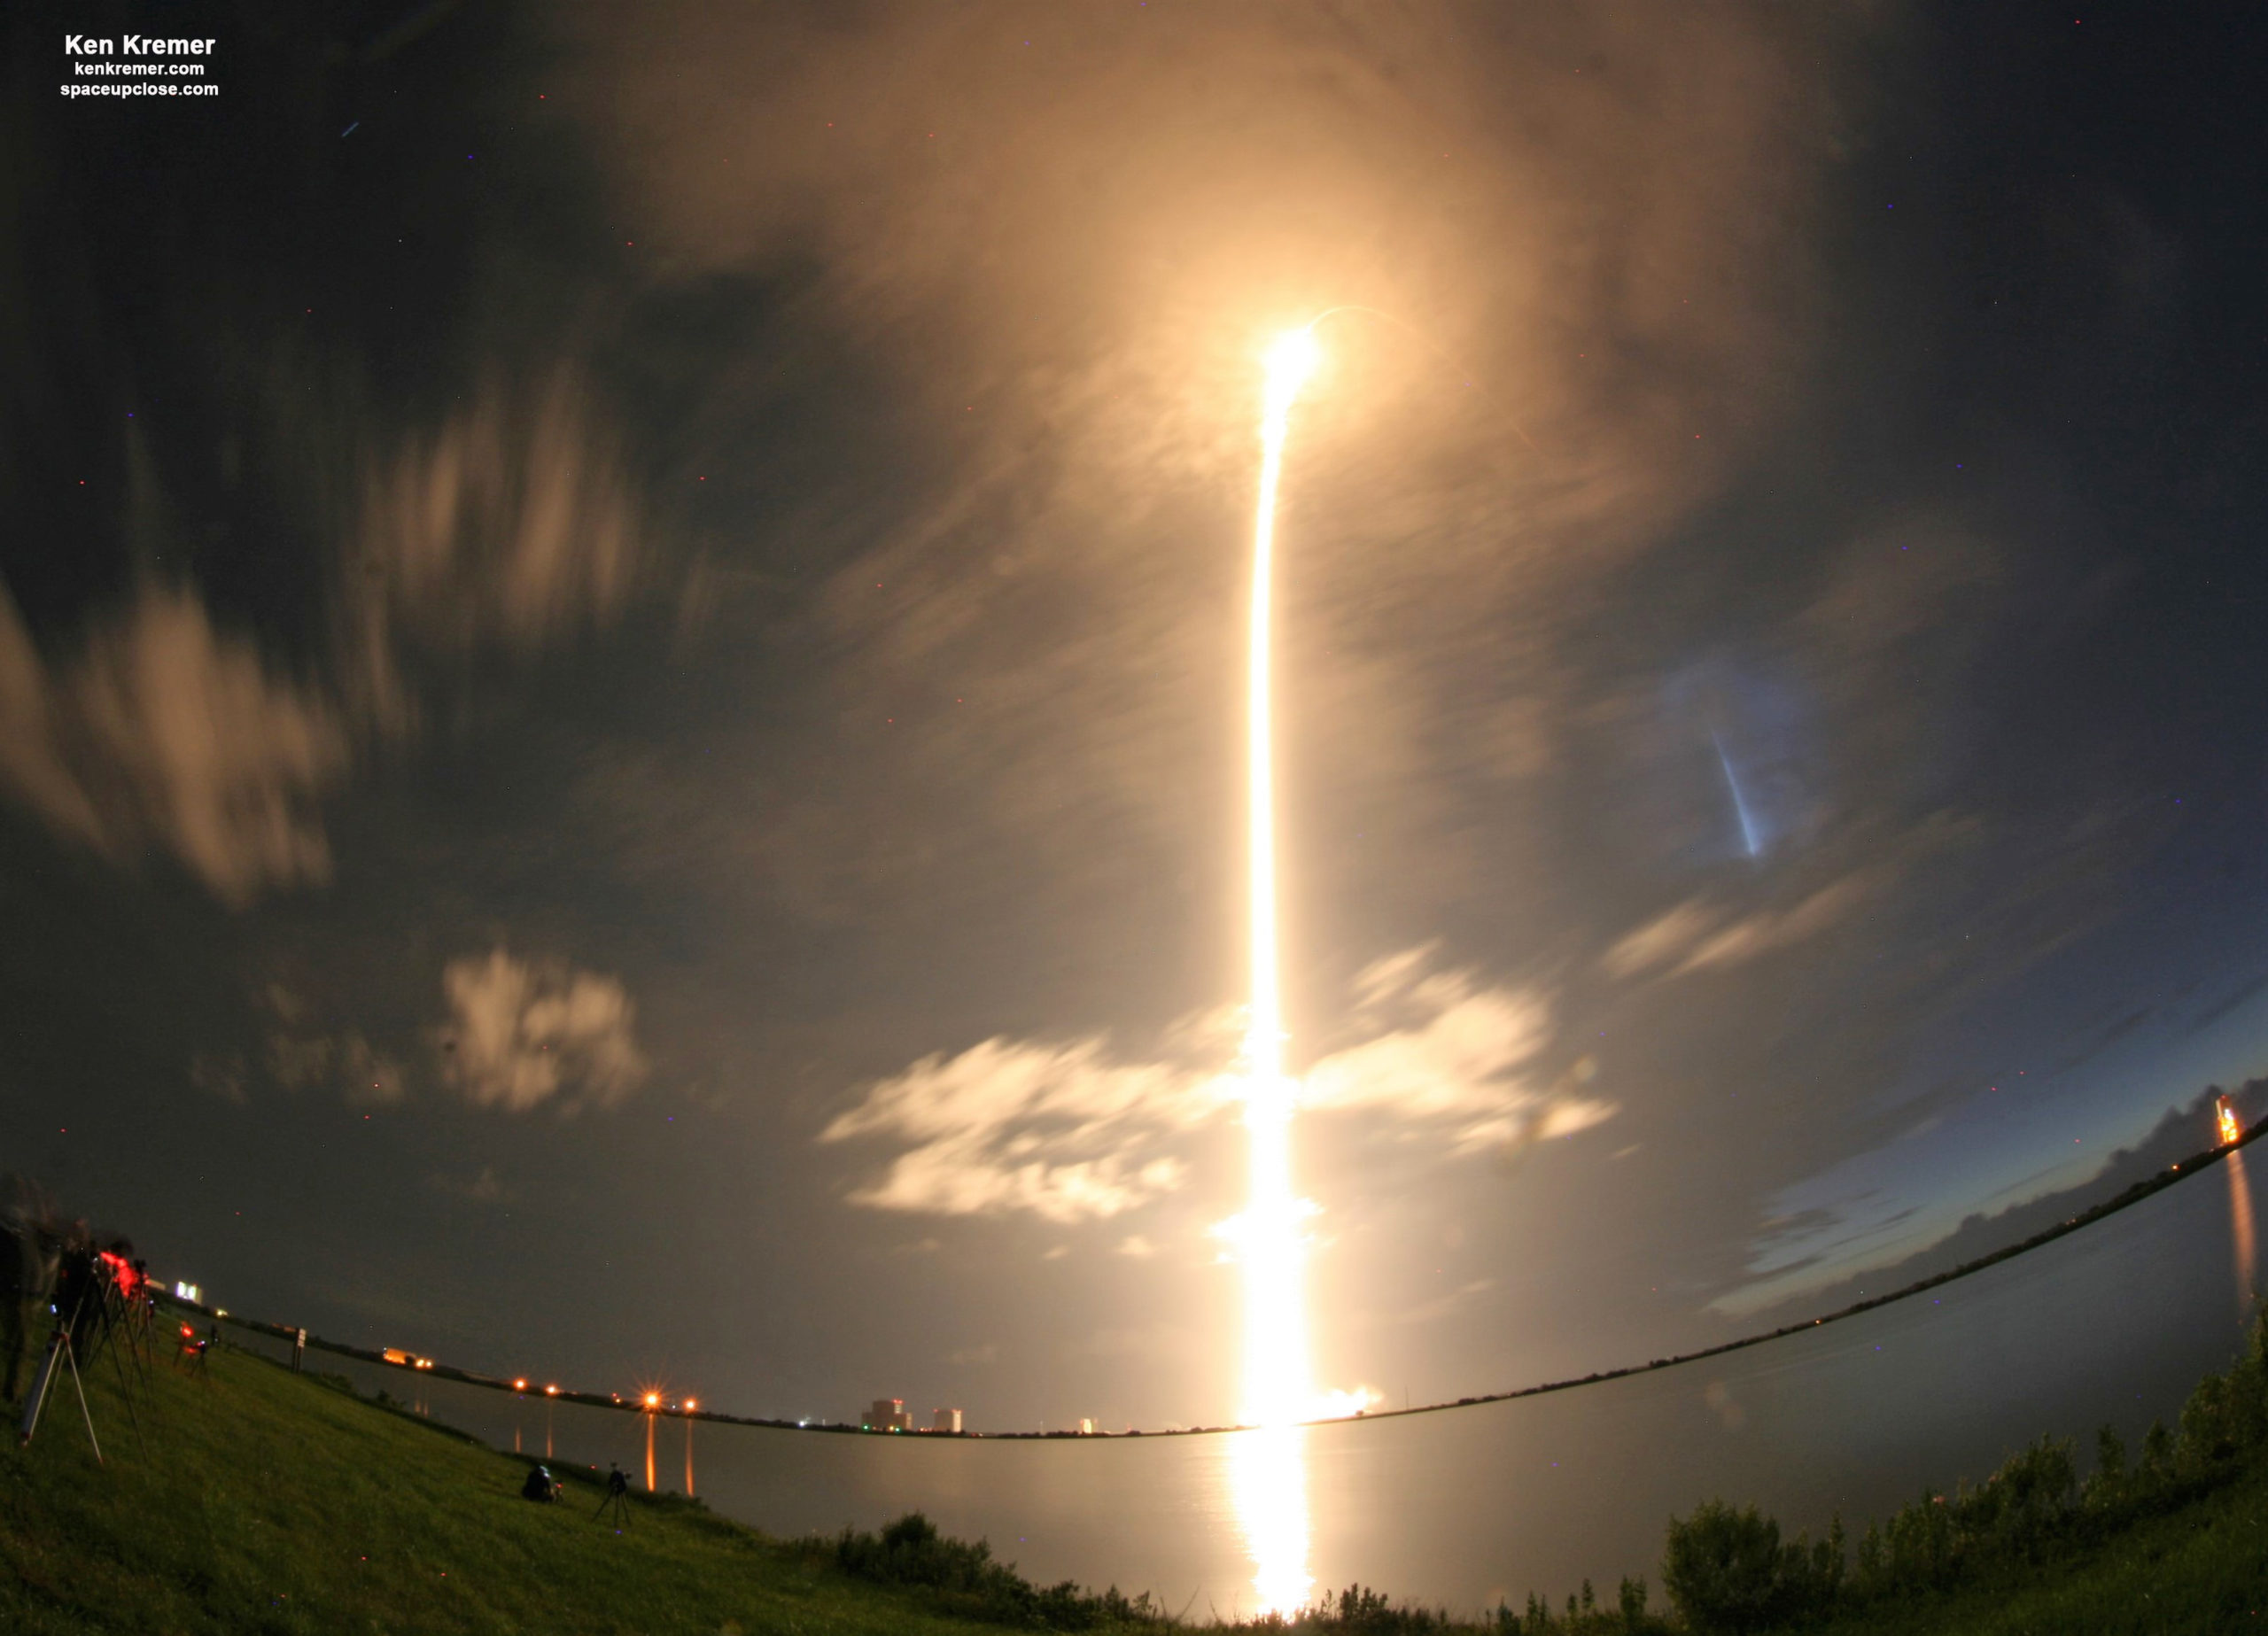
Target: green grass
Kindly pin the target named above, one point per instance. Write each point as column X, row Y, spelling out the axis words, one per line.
column 260, row 1500
column 2201, row 1568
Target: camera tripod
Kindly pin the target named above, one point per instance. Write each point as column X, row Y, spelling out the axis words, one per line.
column 59, row 1345
column 616, row 1499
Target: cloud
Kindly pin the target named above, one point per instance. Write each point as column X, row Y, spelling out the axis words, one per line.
column 511, row 526
column 1760, row 932
column 1661, row 941
column 521, row 1034
column 1454, row 1060
column 1070, row 1133
column 165, row 732
column 366, row 1076
column 484, row 1189
column 1696, row 936
column 1061, row 1132
column 220, row 1073
column 1071, row 274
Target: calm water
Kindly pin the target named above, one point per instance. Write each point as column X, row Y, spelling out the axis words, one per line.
column 1465, row 1506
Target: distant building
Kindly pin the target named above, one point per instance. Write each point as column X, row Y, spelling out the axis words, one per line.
column 887, row 1414
column 1086, row 1428
column 945, row 1419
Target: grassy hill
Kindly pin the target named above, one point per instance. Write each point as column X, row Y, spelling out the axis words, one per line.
column 255, row 1499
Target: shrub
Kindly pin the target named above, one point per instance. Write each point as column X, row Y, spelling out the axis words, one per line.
column 2204, row 1440
column 1726, row 1569
column 2109, row 1488
column 912, row 1553
column 2022, row 1506
column 1360, row 1611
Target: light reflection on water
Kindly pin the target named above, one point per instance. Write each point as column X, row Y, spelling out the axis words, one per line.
column 2240, row 1230
column 1268, row 1470
column 2112, row 1323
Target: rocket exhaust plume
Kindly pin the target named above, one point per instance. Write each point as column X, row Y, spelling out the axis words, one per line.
column 1276, row 1385
column 1270, row 1473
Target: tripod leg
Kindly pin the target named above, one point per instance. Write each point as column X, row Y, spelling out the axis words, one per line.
column 38, row 1400
column 125, row 1391
column 81, row 1388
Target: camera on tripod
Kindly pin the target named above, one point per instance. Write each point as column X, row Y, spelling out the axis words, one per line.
column 98, row 1290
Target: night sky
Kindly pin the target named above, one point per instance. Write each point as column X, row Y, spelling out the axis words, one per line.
column 620, row 668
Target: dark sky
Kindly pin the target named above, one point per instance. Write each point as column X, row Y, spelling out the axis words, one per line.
column 620, row 669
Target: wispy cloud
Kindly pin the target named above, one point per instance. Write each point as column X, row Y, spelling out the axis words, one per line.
column 1697, row 935
column 1072, row 1133
column 362, row 1074
column 164, row 730
column 523, row 1034
column 510, row 527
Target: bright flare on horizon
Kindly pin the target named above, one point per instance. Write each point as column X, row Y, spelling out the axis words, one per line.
column 1270, row 1472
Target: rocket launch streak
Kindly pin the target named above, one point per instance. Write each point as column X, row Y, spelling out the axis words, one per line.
column 1270, row 1478
column 1276, row 1385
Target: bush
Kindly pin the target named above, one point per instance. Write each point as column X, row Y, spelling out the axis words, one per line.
column 965, row 1579
column 2022, row 1507
column 1726, row 1569
column 1360, row 1611
column 1585, row 1616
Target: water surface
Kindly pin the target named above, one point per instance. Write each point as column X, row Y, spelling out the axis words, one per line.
column 1467, row 1506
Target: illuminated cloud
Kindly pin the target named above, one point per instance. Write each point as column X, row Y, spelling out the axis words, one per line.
column 1068, row 1132
column 1698, row 936
column 165, row 733
column 1454, row 1061
column 1060, row 1131
column 1661, row 941
column 520, row 1035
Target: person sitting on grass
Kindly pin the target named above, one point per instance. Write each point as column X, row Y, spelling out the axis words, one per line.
column 539, row 1486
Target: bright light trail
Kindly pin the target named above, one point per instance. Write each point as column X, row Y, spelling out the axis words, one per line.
column 1271, row 1477
column 1276, row 1374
